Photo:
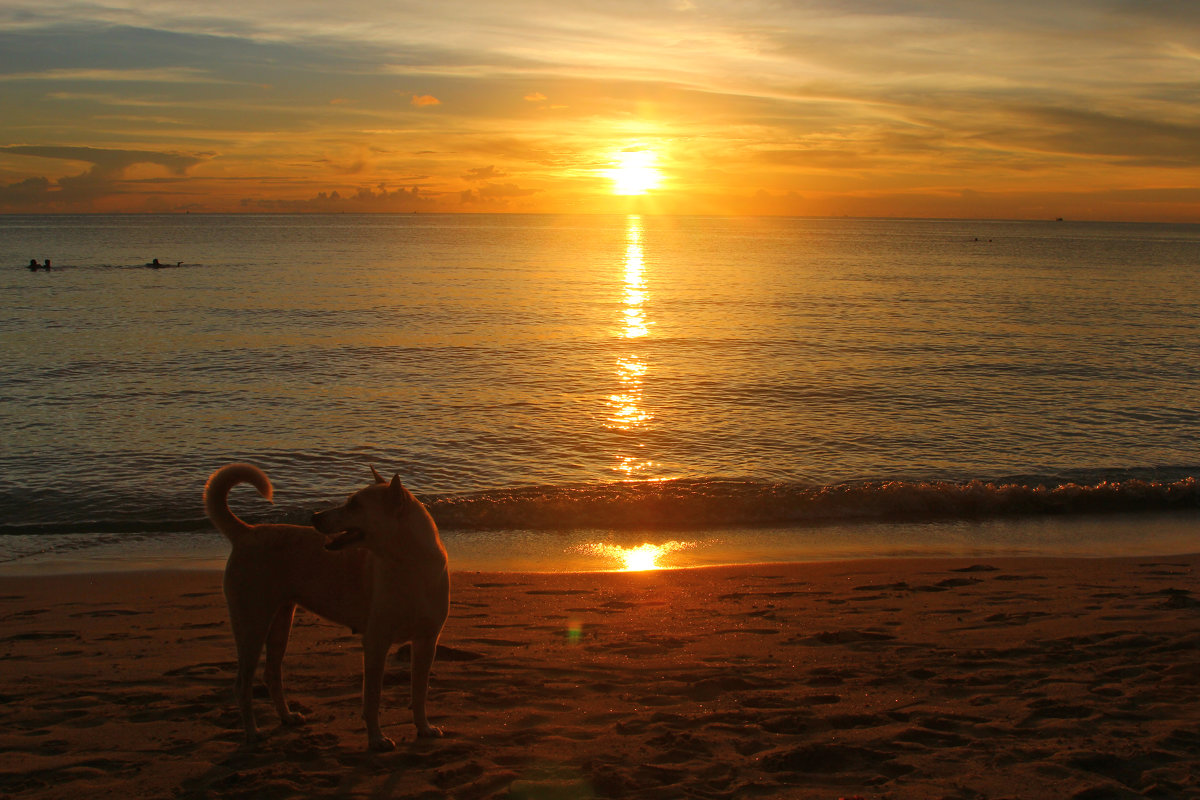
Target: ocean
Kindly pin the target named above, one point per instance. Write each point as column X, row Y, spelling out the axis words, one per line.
column 561, row 390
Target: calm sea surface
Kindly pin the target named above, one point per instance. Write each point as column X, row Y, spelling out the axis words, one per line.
column 745, row 388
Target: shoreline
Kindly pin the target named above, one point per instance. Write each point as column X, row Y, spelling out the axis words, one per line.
column 552, row 551
column 907, row 678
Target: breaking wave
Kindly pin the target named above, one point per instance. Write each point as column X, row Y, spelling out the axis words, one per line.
column 659, row 505
column 691, row 504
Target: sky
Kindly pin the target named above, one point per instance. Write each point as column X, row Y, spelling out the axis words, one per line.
column 1081, row 109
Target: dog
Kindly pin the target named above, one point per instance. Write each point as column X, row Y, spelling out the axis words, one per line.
column 384, row 574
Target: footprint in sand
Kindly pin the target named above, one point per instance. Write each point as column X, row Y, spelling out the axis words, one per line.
column 206, row 669
column 847, row 637
column 1019, row 618
column 842, row 722
column 827, row 759
column 1047, row 709
column 948, row 583
column 1178, row 598
column 446, row 653
column 751, row 631
column 1129, row 771
column 36, row 636
column 109, row 612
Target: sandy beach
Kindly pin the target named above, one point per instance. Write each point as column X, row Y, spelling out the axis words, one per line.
column 990, row 678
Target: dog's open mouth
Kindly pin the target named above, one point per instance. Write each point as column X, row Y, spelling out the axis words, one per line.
column 345, row 539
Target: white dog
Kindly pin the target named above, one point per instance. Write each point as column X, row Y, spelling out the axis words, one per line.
column 385, row 575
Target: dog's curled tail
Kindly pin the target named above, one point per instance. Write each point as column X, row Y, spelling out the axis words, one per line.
column 216, row 496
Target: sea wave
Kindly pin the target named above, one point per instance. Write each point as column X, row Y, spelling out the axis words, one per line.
column 690, row 504
column 684, row 504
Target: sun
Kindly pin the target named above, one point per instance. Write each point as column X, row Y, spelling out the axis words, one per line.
column 634, row 172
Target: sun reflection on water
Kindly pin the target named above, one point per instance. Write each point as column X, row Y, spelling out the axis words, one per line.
column 636, row 324
column 642, row 558
column 627, row 412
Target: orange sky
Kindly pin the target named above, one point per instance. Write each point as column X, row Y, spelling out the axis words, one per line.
column 1077, row 109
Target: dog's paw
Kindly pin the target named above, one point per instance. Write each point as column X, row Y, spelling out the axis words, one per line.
column 292, row 718
column 429, row 732
column 382, row 745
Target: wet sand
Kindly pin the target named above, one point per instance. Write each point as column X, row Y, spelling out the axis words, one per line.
column 951, row 678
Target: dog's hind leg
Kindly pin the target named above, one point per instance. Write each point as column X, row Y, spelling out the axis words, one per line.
column 423, row 651
column 277, row 642
column 250, row 627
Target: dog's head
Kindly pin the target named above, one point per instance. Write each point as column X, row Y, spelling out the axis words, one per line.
column 384, row 517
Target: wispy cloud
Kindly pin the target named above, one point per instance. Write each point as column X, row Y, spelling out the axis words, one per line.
column 487, row 173
column 166, row 75
column 106, row 162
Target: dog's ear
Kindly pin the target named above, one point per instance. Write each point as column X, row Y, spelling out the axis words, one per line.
column 378, row 477
column 399, row 494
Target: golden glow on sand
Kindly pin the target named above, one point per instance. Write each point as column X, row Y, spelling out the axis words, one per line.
column 635, row 173
column 642, row 558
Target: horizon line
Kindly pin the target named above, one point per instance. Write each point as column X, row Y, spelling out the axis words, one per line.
column 293, row 213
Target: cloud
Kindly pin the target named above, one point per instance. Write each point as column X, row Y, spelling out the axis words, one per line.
column 363, row 200
column 494, row 195
column 496, row 191
column 187, row 75
column 107, row 162
column 484, row 174
column 104, row 178
column 878, row 97
column 31, row 192
column 1122, row 137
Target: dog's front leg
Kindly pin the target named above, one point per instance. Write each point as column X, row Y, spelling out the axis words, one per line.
column 423, row 651
column 375, row 648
